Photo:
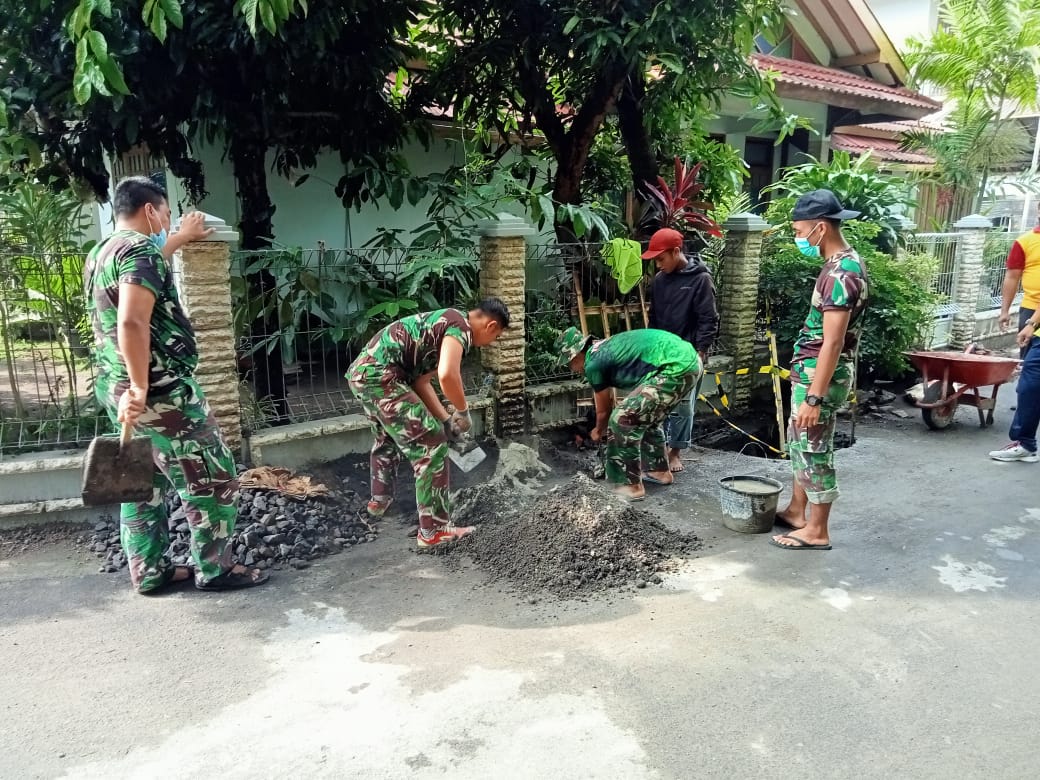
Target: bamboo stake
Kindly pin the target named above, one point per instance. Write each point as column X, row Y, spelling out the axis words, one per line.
column 774, row 361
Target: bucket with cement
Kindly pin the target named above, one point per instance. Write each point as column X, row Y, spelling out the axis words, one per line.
column 749, row 503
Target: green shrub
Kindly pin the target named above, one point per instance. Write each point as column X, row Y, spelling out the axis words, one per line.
column 901, row 307
column 882, row 198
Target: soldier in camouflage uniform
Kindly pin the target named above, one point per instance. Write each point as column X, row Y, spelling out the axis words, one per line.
column 145, row 353
column 392, row 379
column 822, row 369
column 657, row 370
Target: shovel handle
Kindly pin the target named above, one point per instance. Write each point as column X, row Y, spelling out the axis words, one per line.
column 126, row 435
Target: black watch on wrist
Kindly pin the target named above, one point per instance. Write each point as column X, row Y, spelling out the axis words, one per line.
column 814, row 400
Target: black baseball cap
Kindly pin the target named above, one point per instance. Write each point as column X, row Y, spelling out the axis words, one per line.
column 820, row 204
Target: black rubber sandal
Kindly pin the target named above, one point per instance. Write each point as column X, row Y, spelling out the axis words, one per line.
column 231, row 580
column 799, row 543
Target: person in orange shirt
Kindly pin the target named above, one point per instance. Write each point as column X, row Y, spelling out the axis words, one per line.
column 1023, row 268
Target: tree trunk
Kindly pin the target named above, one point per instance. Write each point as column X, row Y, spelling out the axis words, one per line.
column 572, row 150
column 640, row 153
column 567, row 190
column 981, row 198
column 248, row 160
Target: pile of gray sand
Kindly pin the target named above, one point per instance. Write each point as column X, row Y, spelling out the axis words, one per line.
column 574, row 540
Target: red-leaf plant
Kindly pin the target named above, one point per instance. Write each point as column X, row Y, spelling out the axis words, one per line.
column 680, row 207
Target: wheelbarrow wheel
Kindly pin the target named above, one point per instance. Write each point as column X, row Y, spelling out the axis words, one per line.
column 938, row 417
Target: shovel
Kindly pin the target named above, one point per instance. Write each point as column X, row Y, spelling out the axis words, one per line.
column 118, row 470
column 466, row 453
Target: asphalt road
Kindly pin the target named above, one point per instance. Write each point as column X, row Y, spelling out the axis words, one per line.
column 907, row 651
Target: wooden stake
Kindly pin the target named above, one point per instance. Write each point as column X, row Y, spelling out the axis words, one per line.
column 774, row 360
column 581, row 301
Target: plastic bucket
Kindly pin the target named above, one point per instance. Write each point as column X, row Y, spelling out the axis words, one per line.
column 749, row 503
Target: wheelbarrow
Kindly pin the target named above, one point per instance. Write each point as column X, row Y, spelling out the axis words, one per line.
column 953, row 378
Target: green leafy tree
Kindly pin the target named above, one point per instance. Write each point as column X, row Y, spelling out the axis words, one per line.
column 985, row 57
column 561, row 68
column 204, row 76
column 882, row 198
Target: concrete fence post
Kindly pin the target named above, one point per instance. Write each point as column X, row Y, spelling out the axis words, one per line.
column 738, row 299
column 503, row 255
column 204, row 280
column 971, row 243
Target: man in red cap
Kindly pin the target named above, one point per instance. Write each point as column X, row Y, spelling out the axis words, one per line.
column 682, row 301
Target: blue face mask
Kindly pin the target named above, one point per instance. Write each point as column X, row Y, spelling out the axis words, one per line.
column 159, row 239
column 806, row 248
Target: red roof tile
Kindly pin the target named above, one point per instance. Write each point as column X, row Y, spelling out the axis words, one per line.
column 806, row 74
column 882, row 149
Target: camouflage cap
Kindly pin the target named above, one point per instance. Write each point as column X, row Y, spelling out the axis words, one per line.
column 570, row 344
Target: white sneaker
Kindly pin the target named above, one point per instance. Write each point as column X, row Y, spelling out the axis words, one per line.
column 1015, row 451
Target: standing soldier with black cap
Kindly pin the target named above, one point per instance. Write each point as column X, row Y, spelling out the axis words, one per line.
column 822, row 369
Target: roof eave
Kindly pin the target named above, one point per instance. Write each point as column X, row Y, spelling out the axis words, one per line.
column 877, row 106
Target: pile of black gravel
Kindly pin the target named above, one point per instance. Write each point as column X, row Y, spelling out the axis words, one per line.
column 272, row 530
column 573, row 540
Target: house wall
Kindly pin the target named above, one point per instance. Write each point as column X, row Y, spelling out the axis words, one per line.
column 311, row 212
column 738, row 124
column 905, row 19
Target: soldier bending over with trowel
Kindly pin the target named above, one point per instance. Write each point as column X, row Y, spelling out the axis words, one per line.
column 392, row 378
column 657, row 369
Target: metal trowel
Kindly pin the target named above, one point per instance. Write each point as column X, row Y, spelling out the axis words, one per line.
column 466, row 453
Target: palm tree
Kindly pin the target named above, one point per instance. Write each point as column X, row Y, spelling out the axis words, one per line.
column 985, row 58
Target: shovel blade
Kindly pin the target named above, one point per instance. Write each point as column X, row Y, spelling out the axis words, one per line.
column 114, row 474
column 469, row 460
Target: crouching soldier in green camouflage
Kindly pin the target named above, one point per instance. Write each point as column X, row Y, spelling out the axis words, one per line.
column 392, row 378
column 146, row 353
column 657, row 369
column 822, row 369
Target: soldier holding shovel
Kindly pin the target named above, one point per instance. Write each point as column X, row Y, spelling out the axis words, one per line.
column 657, row 370
column 392, row 379
column 146, row 355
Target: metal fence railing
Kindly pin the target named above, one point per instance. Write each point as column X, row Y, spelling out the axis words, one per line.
column 552, row 301
column 302, row 315
column 994, row 269
column 47, row 378
column 943, row 247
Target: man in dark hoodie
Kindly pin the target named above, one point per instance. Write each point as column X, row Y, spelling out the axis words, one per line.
column 682, row 302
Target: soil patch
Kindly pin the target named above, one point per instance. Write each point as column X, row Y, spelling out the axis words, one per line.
column 20, row 541
column 573, row 540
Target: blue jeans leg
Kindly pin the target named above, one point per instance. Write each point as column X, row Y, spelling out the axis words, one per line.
column 1027, row 415
column 678, row 426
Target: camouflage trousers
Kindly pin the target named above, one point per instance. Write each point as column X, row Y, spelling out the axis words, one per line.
column 403, row 425
column 190, row 455
column 812, row 449
column 637, row 440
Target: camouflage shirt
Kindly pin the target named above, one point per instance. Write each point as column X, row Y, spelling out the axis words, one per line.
column 128, row 257
column 841, row 285
column 627, row 359
column 411, row 346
